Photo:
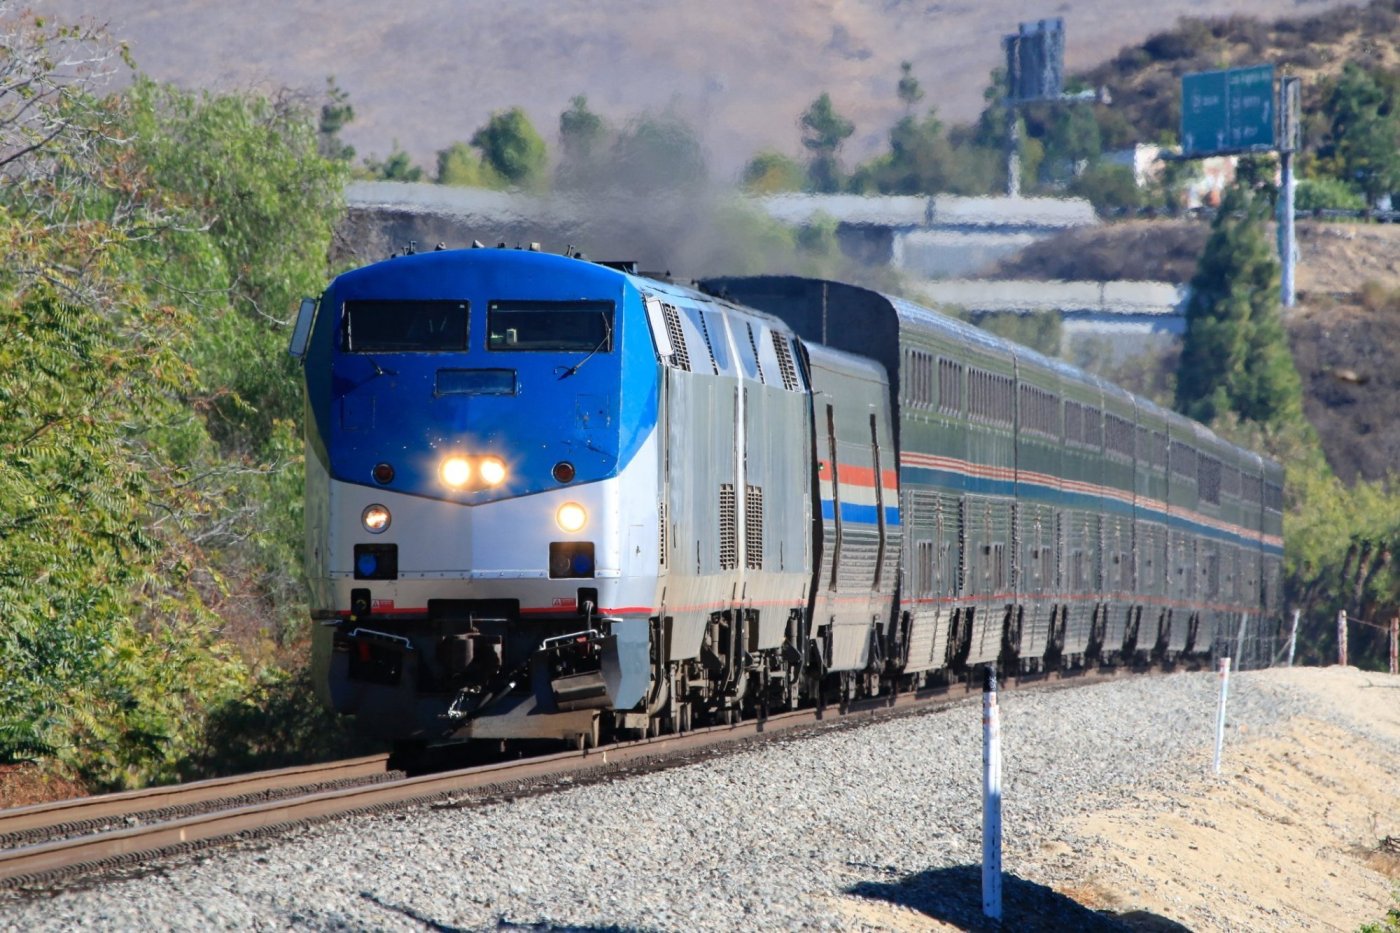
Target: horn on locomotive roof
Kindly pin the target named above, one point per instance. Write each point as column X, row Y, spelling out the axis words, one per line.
column 621, row 265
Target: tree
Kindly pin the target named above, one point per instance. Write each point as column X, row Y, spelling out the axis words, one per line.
column 458, row 165
column 511, row 148
column 336, row 112
column 823, row 132
column 582, row 136
column 920, row 161
column 1071, row 141
column 770, row 173
column 1235, row 356
column 659, row 152
column 1108, row 186
column 398, row 166
column 1326, row 193
column 106, row 647
column 581, row 131
column 908, row 88
column 1363, row 142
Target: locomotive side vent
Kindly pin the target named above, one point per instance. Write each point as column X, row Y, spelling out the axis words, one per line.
column 679, row 355
column 785, row 364
column 753, row 527
column 709, row 344
column 758, row 360
column 661, row 524
column 728, row 528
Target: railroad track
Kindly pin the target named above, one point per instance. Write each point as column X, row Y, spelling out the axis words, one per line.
column 44, row 844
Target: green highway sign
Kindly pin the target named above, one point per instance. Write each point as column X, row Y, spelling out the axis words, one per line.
column 1227, row 111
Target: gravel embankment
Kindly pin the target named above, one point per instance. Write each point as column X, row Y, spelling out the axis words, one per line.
column 779, row 836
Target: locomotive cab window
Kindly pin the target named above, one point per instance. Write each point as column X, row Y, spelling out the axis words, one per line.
column 404, row 326
column 581, row 326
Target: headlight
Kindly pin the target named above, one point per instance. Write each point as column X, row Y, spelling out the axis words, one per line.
column 493, row 470
column 375, row 518
column 571, row 517
column 455, row 471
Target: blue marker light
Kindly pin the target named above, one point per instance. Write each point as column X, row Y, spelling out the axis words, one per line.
column 583, row 565
column 367, row 564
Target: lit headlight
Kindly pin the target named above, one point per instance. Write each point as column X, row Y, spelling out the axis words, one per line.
column 375, row 518
column 493, row 471
column 571, row 516
column 455, row 471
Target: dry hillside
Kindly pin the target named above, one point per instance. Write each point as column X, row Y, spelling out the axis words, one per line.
column 428, row 73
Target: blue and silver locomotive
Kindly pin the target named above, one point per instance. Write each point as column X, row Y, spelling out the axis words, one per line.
column 548, row 498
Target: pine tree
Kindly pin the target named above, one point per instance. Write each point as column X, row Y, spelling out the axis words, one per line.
column 1235, row 356
column 823, row 132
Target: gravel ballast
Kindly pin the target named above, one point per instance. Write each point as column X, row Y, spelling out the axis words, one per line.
column 786, row 834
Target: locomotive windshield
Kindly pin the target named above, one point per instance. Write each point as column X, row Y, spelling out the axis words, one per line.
column 550, row 325
column 398, row 326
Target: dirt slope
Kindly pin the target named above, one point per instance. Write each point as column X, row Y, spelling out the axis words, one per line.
column 1300, row 831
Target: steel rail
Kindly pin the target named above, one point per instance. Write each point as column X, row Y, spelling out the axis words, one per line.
column 108, row 846
column 125, row 803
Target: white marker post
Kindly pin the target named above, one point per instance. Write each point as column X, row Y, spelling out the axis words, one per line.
column 1220, row 714
column 991, row 798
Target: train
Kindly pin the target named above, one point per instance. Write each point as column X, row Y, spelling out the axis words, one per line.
column 552, row 498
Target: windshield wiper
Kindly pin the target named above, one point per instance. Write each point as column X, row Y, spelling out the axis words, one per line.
column 607, row 338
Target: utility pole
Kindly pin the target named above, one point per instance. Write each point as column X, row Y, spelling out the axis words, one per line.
column 1289, row 96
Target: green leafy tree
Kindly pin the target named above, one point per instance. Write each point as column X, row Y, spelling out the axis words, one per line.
column 1108, row 186
column 823, row 132
column 659, row 152
column 583, row 137
column 1326, row 193
column 512, row 148
column 151, row 244
column 771, row 173
column 1071, row 140
column 1235, row 355
column 460, row 166
column 248, row 168
column 581, row 131
column 1363, row 141
column 107, row 652
column 398, row 166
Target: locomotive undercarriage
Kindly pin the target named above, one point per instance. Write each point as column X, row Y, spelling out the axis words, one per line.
column 475, row 670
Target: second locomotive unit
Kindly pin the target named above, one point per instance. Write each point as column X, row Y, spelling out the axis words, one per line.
column 548, row 498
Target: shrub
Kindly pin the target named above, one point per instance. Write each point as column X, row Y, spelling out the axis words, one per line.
column 1327, row 193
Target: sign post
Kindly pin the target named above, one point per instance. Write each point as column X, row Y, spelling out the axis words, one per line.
column 1035, row 70
column 991, row 798
column 1220, row 712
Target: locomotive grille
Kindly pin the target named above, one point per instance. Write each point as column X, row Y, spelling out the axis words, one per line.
column 679, row 356
column 753, row 527
column 785, row 365
column 728, row 528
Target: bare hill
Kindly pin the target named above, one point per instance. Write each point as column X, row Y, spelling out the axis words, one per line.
column 430, row 72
